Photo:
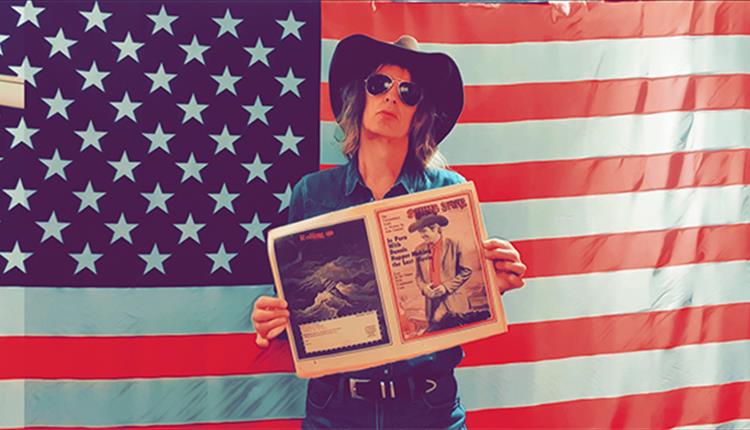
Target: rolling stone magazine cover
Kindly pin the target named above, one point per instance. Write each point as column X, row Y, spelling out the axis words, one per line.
column 386, row 281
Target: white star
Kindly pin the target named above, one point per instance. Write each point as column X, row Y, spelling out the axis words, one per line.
column 290, row 83
column 225, row 141
column 291, row 26
column 28, row 13
column 191, row 169
column 158, row 139
column 194, row 51
column 21, row 134
column 259, row 53
column 89, row 198
column 255, row 229
column 128, row 48
column 91, row 137
column 284, row 198
column 257, row 169
column 189, row 230
column 60, row 44
column 223, row 199
column 93, row 77
column 289, row 141
column 154, row 260
column 124, row 167
column 3, row 38
column 58, row 105
column 16, row 259
column 95, row 18
column 26, row 71
column 227, row 24
column 161, row 79
column 226, row 81
column 192, row 110
column 162, row 21
column 55, row 165
column 126, row 108
column 19, row 195
column 221, row 259
column 86, row 260
column 52, row 228
column 257, row 111
column 157, row 199
column 121, row 230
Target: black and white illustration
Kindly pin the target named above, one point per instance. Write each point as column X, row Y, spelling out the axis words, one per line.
column 329, row 282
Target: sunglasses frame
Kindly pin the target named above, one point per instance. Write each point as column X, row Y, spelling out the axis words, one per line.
column 390, row 84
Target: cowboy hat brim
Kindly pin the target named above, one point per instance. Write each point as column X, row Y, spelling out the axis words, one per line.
column 358, row 55
column 428, row 220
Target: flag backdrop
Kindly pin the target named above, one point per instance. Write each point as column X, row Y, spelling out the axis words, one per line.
column 609, row 142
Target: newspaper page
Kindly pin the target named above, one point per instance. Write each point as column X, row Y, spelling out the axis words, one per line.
column 386, row 281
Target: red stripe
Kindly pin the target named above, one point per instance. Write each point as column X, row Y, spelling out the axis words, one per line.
column 609, row 252
column 681, row 407
column 564, row 178
column 592, row 176
column 579, row 99
column 453, row 23
column 212, row 355
column 612, row 334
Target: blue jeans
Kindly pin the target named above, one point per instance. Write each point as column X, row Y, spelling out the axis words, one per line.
column 331, row 407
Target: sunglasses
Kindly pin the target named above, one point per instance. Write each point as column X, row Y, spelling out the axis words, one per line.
column 409, row 92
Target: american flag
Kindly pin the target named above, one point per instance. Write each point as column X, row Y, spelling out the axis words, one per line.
column 609, row 142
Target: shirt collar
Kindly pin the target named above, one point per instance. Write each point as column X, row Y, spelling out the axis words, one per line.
column 410, row 177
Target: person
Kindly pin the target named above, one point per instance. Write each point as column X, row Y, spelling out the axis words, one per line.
column 394, row 104
column 440, row 274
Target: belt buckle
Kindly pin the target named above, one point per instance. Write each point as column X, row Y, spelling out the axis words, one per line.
column 353, row 387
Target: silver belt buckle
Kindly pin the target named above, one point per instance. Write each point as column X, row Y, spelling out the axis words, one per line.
column 353, row 387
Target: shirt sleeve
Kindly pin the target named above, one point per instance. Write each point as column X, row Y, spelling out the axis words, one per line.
column 297, row 202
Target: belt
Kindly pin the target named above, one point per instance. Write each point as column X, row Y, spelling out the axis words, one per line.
column 396, row 388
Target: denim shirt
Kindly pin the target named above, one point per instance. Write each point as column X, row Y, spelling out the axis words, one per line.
column 342, row 187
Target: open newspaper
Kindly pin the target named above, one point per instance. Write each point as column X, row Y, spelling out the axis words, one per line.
column 386, row 281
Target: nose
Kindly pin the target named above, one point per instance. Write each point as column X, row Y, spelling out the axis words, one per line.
column 391, row 95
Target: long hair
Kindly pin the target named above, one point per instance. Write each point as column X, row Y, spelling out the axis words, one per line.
column 422, row 145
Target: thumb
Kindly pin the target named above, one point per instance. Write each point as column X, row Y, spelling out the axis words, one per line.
column 261, row 341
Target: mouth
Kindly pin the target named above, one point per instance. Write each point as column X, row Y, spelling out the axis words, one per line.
column 389, row 114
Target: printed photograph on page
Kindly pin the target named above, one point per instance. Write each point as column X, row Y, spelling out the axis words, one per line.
column 434, row 255
column 328, row 279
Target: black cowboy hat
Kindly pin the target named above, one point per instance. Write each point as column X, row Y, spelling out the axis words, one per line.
column 358, row 55
column 428, row 220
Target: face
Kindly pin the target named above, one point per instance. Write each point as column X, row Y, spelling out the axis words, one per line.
column 385, row 114
column 430, row 233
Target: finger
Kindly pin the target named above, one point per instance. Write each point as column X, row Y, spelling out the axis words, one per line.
column 261, row 341
column 276, row 331
column 514, row 268
column 516, row 281
column 268, row 302
column 496, row 242
column 262, row 315
column 265, row 327
column 502, row 254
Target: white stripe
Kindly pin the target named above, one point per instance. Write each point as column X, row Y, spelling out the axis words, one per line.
column 629, row 291
column 12, row 311
column 574, row 138
column 12, row 404
column 727, row 425
column 603, row 376
column 653, row 57
column 618, row 213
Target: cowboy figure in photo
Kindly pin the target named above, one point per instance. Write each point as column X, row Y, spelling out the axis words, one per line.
column 441, row 274
column 393, row 104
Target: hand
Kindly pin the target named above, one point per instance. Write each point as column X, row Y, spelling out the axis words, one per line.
column 435, row 292
column 270, row 316
column 509, row 269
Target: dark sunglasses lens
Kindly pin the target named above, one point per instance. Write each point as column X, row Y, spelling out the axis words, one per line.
column 378, row 84
column 410, row 92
